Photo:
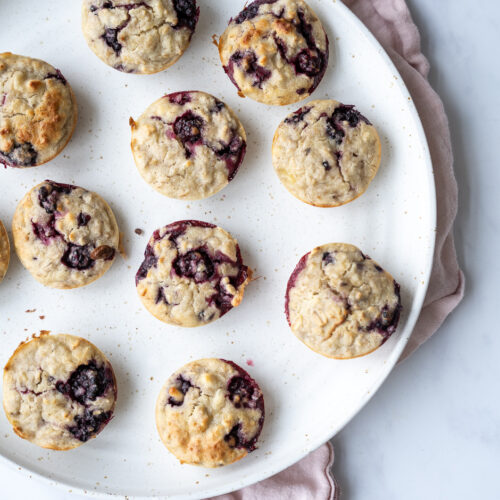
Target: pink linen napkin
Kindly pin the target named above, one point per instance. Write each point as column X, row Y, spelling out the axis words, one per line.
column 391, row 23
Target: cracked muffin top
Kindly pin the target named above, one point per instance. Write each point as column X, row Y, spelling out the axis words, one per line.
column 188, row 145
column 192, row 273
column 210, row 413
column 59, row 391
column 341, row 303
column 38, row 111
column 139, row 36
column 275, row 51
column 64, row 235
column 326, row 153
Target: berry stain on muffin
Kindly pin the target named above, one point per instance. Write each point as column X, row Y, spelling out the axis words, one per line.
column 59, row 391
column 212, row 280
column 188, row 145
column 89, row 424
column 275, row 52
column 21, row 155
column 66, row 236
column 326, row 153
column 38, row 111
column 187, row 14
column 341, row 303
column 210, row 413
column 178, row 391
column 139, row 36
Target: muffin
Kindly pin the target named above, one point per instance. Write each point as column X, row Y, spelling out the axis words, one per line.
column 188, row 145
column 210, row 413
column 4, row 251
column 326, row 153
column 275, row 52
column 59, row 391
column 139, row 36
column 37, row 111
column 192, row 274
column 341, row 303
column 64, row 235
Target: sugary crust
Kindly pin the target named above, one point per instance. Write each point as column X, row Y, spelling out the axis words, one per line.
column 183, row 166
column 202, row 421
column 35, row 398
column 4, row 251
column 38, row 111
column 341, row 303
column 321, row 159
column 192, row 274
column 137, row 36
column 275, row 52
column 55, row 242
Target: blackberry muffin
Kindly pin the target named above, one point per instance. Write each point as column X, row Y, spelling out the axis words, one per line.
column 341, row 303
column 188, row 145
column 59, row 391
column 275, row 51
column 64, row 235
column 210, row 413
column 326, row 153
column 139, row 36
column 192, row 274
column 38, row 111
column 4, row 251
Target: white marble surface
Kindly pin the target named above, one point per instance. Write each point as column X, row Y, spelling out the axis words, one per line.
column 433, row 429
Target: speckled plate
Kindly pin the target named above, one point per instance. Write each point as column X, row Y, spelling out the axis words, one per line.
column 308, row 397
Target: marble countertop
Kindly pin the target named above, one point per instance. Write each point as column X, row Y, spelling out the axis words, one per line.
column 433, row 429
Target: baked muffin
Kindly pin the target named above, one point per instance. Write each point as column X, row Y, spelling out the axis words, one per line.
column 341, row 303
column 188, row 145
column 4, row 251
column 210, row 413
column 192, row 274
column 37, row 111
column 59, row 391
column 64, row 235
column 275, row 51
column 139, row 36
column 326, row 153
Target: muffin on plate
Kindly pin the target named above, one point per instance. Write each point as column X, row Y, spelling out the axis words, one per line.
column 192, row 274
column 341, row 303
column 38, row 111
column 64, row 235
column 139, row 36
column 4, row 251
column 188, row 145
column 210, row 413
column 326, row 153
column 59, row 391
column 275, row 51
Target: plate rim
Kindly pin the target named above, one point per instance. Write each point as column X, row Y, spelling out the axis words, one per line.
column 390, row 362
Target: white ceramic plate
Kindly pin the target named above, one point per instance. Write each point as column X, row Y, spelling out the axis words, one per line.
column 308, row 397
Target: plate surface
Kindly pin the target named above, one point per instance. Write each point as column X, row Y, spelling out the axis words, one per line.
column 308, row 397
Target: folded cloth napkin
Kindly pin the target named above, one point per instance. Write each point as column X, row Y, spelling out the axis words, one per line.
column 391, row 23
